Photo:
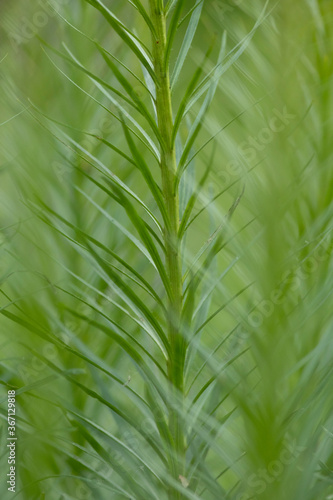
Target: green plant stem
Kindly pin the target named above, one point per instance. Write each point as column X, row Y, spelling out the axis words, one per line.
column 168, row 166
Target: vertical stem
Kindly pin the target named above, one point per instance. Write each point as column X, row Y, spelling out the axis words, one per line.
column 168, row 166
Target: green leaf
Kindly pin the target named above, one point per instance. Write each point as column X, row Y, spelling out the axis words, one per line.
column 187, row 41
column 128, row 38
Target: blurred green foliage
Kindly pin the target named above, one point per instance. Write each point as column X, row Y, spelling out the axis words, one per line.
column 258, row 407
